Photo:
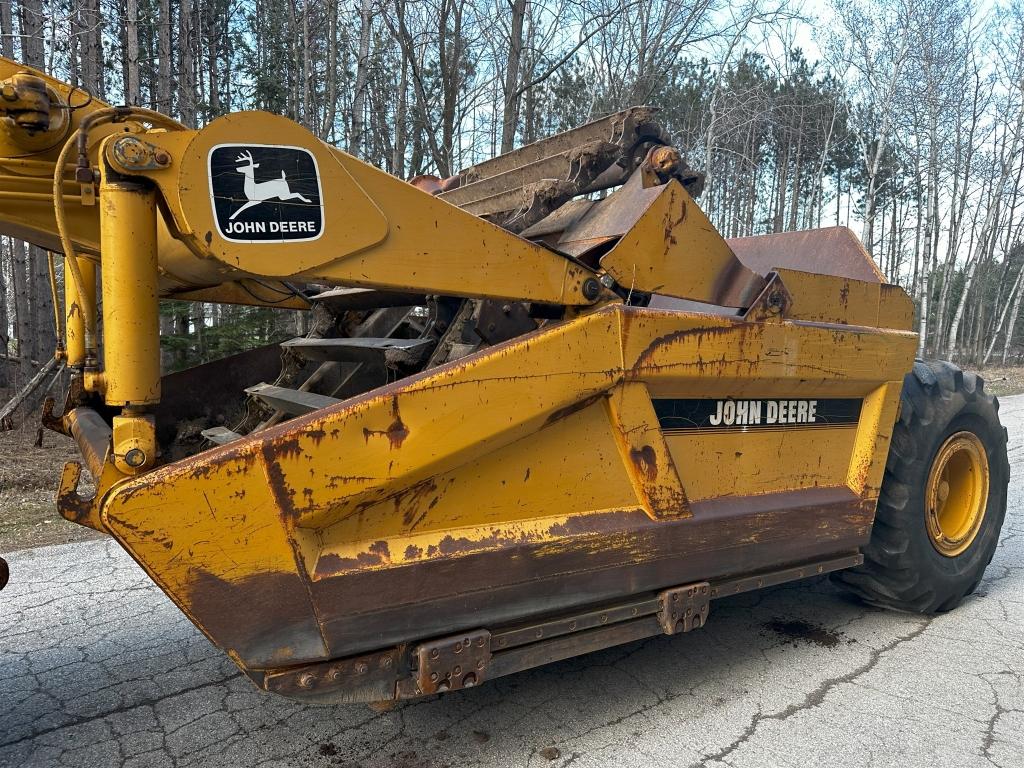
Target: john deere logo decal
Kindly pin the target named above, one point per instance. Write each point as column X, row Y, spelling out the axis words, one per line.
column 682, row 415
column 264, row 193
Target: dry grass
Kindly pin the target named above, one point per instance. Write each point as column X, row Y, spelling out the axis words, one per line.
column 1000, row 380
column 28, row 482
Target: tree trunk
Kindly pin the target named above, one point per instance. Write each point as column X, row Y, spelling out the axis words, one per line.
column 22, row 308
column 187, row 65
column 510, row 111
column 163, row 50
column 42, row 304
column 32, row 34
column 132, row 92
column 1012, row 323
column 6, row 29
column 355, row 137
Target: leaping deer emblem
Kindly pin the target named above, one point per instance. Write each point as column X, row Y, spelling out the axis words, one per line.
column 260, row 191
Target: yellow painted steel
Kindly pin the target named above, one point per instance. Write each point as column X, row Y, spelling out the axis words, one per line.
column 545, row 451
column 131, row 334
column 375, row 234
column 522, row 444
column 74, row 313
column 956, row 495
column 378, row 232
column 131, row 349
column 674, row 250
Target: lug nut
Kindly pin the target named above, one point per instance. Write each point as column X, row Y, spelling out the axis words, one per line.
column 307, row 680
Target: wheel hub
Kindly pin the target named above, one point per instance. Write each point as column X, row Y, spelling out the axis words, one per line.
column 957, row 493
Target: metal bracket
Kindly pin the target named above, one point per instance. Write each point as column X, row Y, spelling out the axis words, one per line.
column 450, row 663
column 681, row 609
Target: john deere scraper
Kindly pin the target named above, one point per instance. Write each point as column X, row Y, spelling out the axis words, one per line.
column 543, row 406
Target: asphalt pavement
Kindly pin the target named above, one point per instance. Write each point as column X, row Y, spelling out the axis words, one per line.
column 98, row 668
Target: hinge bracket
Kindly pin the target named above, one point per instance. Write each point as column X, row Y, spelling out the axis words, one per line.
column 681, row 609
column 454, row 662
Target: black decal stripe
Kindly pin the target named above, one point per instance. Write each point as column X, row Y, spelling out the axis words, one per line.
column 754, row 428
column 676, row 415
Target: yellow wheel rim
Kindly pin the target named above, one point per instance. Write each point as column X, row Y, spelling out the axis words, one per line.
column 957, row 493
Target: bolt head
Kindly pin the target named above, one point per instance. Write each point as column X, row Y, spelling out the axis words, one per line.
column 307, row 680
column 591, row 289
column 135, row 457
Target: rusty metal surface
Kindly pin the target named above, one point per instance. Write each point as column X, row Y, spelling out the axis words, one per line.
column 546, row 629
column 832, row 251
column 92, row 434
column 443, row 664
column 498, row 321
column 519, row 189
column 370, row 677
column 621, row 128
column 607, row 219
column 361, row 299
column 275, row 575
column 683, row 609
column 560, row 648
column 454, row 662
column 293, row 401
column 628, row 553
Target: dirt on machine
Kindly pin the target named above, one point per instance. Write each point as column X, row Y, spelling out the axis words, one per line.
column 543, row 407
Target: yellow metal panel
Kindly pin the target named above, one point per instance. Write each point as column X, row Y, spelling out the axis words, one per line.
column 538, row 488
column 645, row 453
column 379, row 232
column 201, row 531
column 895, row 308
column 827, row 299
column 512, row 450
column 438, row 420
column 720, row 464
column 674, row 250
column 702, row 355
column 877, row 417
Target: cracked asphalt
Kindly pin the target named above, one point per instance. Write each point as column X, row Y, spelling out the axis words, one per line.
column 98, row 668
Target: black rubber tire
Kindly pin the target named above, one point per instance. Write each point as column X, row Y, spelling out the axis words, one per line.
column 902, row 569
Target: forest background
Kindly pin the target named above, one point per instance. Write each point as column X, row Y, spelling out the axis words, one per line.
column 903, row 119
